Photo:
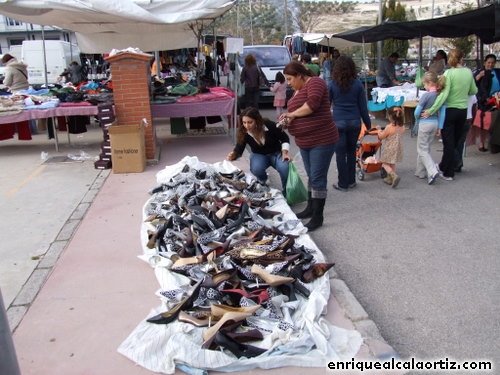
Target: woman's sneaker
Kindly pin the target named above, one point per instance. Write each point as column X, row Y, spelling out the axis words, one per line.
column 432, row 178
column 446, row 178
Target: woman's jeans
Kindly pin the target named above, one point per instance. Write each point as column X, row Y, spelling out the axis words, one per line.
column 345, row 151
column 454, row 126
column 316, row 163
column 426, row 167
column 260, row 162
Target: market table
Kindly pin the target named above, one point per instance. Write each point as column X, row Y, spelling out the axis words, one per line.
column 37, row 114
column 200, row 105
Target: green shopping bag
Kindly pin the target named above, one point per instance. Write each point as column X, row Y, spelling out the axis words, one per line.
column 296, row 192
column 418, row 78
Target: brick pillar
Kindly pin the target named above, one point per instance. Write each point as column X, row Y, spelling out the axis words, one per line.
column 130, row 74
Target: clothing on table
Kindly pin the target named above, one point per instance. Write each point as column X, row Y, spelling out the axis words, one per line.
column 392, row 148
column 349, row 108
column 386, row 73
column 266, row 152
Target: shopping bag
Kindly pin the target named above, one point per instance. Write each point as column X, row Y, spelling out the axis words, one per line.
column 296, row 192
column 418, row 78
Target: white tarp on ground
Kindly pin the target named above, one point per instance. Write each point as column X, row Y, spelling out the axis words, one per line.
column 101, row 26
column 314, row 342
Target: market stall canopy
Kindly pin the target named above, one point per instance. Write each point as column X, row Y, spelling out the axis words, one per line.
column 482, row 22
column 101, row 26
column 325, row 40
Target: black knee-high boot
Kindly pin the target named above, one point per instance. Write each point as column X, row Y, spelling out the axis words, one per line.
column 318, row 204
column 308, row 210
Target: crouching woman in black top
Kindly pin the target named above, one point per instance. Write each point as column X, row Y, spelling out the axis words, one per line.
column 269, row 145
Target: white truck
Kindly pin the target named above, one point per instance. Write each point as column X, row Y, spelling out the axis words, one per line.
column 58, row 55
column 271, row 59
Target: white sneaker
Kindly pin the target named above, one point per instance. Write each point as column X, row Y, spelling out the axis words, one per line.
column 445, row 178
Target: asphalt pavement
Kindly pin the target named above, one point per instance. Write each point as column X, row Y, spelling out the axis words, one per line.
column 422, row 260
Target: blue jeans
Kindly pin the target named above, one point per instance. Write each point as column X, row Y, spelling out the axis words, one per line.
column 345, row 151
column 316, row 163
column 260, row 162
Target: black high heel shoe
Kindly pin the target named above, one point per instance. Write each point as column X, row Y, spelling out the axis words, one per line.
column 170, row 315
column 239, row 350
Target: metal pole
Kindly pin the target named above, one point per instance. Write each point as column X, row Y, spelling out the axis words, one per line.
column 44, row 57
column 379, row 43
column 286, row 18
column 251, row 23
column 8, row 358
column 430, row 38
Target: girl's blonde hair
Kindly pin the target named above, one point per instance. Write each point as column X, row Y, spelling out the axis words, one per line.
column 396, row 115
column 432, row 78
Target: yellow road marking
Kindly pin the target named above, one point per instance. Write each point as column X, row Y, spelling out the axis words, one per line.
column 32, row 175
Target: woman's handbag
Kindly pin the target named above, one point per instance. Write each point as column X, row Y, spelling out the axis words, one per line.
column 296, row 192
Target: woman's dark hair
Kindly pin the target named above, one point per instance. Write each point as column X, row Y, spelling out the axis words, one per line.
column 344, row 72
column 490, row 56
column 6, row 58
column 396, row 114
column 254, row 114
column 250, row 60
column 280, row 77
column 443, row 55
column 295, row 69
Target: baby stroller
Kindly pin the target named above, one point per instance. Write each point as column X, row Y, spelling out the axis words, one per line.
column 368, row 153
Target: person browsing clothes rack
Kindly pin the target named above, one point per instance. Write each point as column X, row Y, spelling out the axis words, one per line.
column 16, row 74
column 386, row 75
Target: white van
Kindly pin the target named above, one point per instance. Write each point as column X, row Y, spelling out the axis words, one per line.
column 271, row 59
column 59, row 54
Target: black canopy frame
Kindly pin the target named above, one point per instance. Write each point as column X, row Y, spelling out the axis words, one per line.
column 482, row 22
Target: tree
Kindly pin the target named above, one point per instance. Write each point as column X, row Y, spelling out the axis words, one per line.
column 393, row 11
column 465, row 44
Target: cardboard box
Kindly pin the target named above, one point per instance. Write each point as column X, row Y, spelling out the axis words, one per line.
column 128, row 151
